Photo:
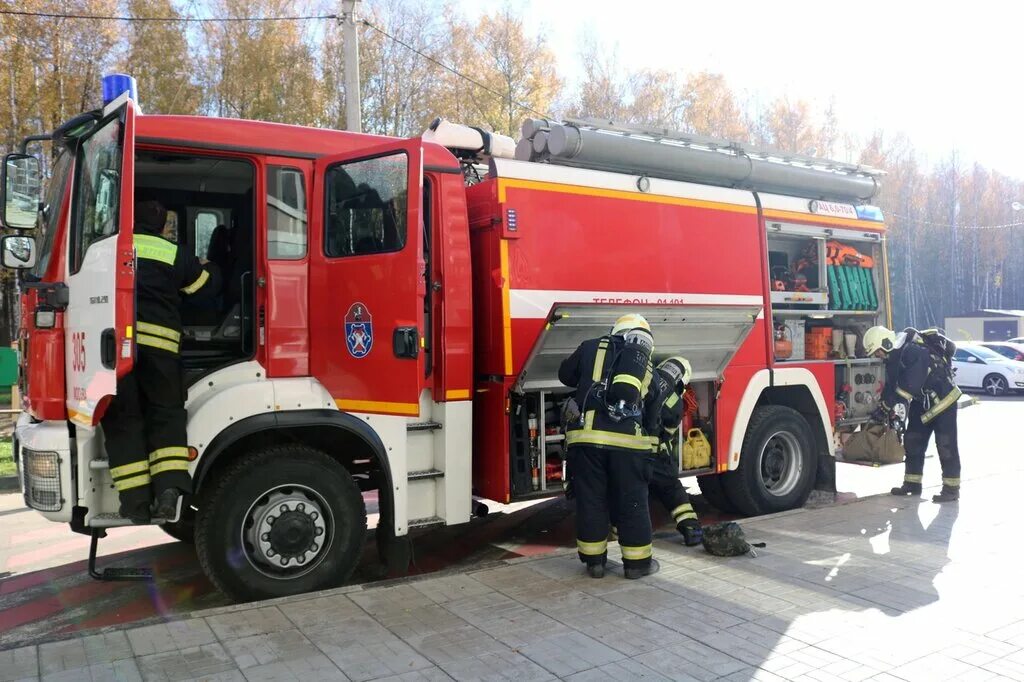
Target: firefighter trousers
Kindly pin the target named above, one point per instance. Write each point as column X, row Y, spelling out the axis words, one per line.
column 607, row 479
column 667, row 490
column 915, row 442
column 144, row 430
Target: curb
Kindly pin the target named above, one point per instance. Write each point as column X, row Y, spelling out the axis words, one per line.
column 10, row 484
column 971, row 400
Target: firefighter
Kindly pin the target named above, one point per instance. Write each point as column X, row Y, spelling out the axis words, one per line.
column 144, row 427
column 664, row 412
column 609, row 451
column 922, row 380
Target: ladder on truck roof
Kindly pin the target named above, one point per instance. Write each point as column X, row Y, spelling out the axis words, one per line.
column 673, row 155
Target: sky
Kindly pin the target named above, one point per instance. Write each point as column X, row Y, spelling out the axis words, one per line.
column 947, row 74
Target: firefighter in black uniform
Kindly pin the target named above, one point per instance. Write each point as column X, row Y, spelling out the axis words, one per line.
column 664, row 412
column 144, row 427
column 609, row 451
column 915, row 376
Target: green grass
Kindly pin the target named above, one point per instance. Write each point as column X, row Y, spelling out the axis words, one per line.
column 6, row 458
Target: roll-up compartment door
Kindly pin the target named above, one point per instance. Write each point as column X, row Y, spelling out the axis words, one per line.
column 707, row 335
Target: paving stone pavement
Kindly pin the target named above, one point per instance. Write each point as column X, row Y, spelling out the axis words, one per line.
column 882, row 589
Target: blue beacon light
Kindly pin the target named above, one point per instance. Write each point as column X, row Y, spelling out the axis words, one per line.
column 115, row 85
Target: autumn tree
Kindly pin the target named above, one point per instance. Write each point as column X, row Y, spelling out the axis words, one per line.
column 516, row 68
column 263, row 70
column 158, row 55
column 711, row 107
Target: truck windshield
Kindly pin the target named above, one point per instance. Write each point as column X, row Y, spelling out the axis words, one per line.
column 53, row 201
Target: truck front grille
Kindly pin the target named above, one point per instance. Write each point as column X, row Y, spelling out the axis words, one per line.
column 41, row 474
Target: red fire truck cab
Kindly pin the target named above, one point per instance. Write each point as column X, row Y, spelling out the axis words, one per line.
column 393, row 315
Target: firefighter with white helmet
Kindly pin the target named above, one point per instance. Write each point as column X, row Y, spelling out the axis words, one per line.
column 609, row 449
column 664, row 412
column 918, row 374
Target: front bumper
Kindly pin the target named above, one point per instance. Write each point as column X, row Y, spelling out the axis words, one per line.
column 44, row 467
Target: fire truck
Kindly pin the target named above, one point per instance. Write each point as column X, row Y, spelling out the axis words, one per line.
column 394, row 312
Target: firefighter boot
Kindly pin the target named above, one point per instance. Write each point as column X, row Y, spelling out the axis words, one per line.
column 166, row 504
column 908, row 490
column 595, row 570
column 691, row 531
column 641, row 571
column 949, row 493
column 137, row 513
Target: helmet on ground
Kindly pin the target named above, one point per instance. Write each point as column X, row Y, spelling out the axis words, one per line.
column 678, row 368
column 879, row 338
column 628, row 322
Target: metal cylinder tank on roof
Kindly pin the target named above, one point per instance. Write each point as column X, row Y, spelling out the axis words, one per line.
column 586, row 148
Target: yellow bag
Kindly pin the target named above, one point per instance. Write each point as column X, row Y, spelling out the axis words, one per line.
column 696, row 450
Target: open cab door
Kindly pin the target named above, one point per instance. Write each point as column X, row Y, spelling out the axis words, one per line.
column 368, row 286
column 100, row 315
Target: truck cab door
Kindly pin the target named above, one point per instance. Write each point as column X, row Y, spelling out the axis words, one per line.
column 367, row 283
column 100, row 314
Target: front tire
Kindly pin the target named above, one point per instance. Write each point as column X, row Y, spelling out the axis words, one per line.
column 777, row 463
column 712, row 489
column 284, row 520
column 995, row 385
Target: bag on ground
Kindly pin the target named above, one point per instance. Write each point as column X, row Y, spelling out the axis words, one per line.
column 874, row 443
column 727, row 539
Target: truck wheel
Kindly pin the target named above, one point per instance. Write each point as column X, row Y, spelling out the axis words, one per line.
column 713, row 491
column 184, row 529
column 777, row 463
column 284, row 520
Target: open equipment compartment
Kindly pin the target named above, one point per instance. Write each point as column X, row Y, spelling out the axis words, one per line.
column 708, row 335
column 822, row 314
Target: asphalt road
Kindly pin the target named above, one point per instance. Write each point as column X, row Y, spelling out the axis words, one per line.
column 46, row 593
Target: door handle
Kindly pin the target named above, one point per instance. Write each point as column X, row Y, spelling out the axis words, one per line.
column 108, row 348
column 406, row 342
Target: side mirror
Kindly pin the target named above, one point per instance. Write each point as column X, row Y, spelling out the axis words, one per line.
column 21, row 184
column 19, row 253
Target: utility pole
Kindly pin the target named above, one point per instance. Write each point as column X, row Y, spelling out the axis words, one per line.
column 350, row 43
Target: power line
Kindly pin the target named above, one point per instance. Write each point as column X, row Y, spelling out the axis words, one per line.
column 101, row 17
column 454, row 71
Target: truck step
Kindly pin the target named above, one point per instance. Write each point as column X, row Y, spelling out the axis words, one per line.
column 426, row 473
column 423, row 426
column 113, row 572
column 99, row 464
column 115, row 520
column 426, row 522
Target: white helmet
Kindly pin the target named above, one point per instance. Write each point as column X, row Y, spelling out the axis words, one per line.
column 879, row 338
column 628, row 322
column 678, row 368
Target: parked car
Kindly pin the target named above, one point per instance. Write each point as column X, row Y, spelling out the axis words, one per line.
column 1019, row 339
column 981, row 368
column 1008, row 349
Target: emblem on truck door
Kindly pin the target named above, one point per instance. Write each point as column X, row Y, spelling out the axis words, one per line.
column 359, row 330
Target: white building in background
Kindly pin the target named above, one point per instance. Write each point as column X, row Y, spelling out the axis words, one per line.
column 986, row 325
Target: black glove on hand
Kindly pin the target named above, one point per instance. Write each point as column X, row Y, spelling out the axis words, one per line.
column 693, row 534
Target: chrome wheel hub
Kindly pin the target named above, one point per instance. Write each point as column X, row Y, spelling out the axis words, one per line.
column 287, row 531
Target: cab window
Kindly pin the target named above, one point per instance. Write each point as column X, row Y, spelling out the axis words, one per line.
column 286, row 213
column 366, row 209
column 97, row 203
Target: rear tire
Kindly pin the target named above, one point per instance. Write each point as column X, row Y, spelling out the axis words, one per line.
column 712, row 489
column 285, row 520
column 777, row 463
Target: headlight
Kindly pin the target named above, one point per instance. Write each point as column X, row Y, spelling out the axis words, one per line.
column 41, row 464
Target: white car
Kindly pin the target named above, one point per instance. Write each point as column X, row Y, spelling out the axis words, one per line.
column 1008, row 349
column 979, row 367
